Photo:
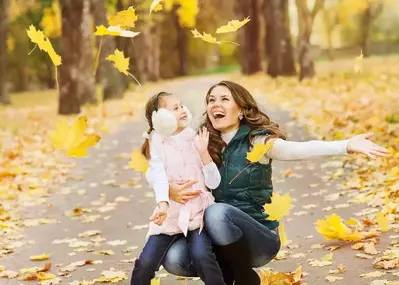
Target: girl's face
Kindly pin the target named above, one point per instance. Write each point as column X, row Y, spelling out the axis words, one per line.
column 173, row 104
column 223, row 110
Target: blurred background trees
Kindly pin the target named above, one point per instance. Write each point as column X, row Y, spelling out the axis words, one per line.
column 283, row 38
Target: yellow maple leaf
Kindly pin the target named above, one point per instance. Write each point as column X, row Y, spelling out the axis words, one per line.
column 208, row 38
column 232, row 26
column 383, row 221
column 334, row 228
column 124, row 19
column 138, row 162
column 196, row 34
column 279, row 207
column 120, row 62
column 73, row 140
column 156, row 6
column 103, row 31
column 37, row 37
column 40, row 257
column 122, row 32
column 358, row 62
column 258, row 151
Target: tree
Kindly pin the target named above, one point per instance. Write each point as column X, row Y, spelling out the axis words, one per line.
column 250, row 36
column 4, row 10
column 372, row 11
column 330, row 22
column 76, row 82
column 279, row 50
column 182, row 44
column 305, row 24
column 109, row 76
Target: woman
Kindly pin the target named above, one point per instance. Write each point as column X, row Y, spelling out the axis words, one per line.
column 237, row 225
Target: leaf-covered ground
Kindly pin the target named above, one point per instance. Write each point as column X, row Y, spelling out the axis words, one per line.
column 89, row 215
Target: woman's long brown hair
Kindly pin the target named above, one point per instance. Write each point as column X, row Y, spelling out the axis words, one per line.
column 252, row 116
column 150, row 107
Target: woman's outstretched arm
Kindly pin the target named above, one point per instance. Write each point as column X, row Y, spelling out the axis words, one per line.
column 290, row 150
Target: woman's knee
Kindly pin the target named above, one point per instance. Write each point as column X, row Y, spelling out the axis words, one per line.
column 216, row 213
column 220, row 225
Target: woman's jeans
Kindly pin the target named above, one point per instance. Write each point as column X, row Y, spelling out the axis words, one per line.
column 200, row 247
column 225, row 225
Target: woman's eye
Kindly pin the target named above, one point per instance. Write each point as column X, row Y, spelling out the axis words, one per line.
column 211, row 100
column 225, row 99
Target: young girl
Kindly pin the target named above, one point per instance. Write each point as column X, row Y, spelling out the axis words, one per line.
column 183, row 155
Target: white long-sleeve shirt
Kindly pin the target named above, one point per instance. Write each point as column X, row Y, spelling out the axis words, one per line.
column 281, row 150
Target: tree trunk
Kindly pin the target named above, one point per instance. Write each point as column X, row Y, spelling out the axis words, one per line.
column 109, row 76
column 182, row 45
column 71, row 41
column 280, row 54
column 4, row 9
column 155, row 55
column 250, row 36
column 305, row 24
column 366, row 25
column 123, row 45
column 87, row 92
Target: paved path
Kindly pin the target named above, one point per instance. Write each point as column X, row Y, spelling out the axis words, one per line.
column 121, row 210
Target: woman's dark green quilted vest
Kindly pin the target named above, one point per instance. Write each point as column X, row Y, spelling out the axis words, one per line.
column 252, row 188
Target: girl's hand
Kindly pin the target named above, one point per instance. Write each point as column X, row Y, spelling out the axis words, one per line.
column 363, row 144
column 201, row 140
column 160, row 215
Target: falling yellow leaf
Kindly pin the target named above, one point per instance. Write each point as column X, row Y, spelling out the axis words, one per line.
column 122, row 33
column 40, row 257
column 232, row 26
column 120, row 62
column 138, row 162
column 37, row 37
column 73, row 140
column 124, row 19
column 334, row 228
column 358, row 62
column 103, row 31
column 156, row 281
column 282, row 234
column 382, row 221
column 279, row 207
column 258, row 151
column 208, row 38
column 196, row 34
column 156, row 6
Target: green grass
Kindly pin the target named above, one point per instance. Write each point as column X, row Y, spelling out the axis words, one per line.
column 220, row 69
column 34, row 98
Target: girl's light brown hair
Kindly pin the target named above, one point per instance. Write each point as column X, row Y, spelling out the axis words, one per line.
column 152, row 105
column 252, row 116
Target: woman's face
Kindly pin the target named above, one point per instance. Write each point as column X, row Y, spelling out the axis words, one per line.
column 223, row 110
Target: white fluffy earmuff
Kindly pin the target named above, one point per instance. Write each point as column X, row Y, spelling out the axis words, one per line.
column 164, row 122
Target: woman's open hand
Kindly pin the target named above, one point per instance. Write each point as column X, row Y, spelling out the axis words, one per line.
column 178, row 193
column 363, row 144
